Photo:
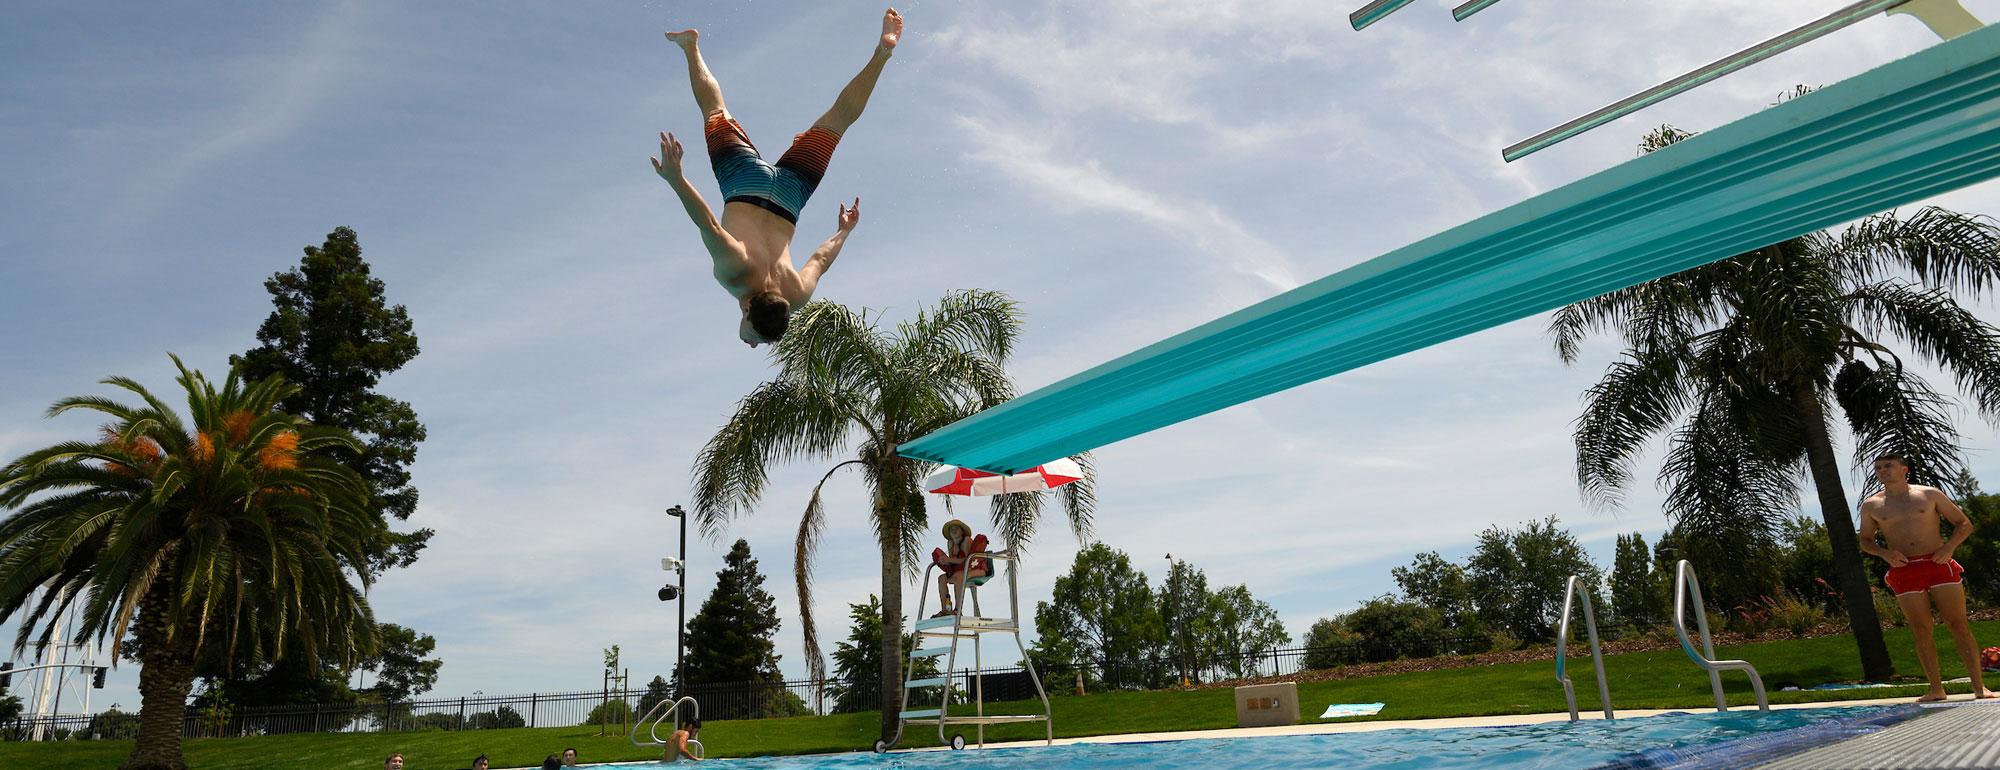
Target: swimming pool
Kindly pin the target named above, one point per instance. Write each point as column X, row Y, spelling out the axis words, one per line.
column 1667, row 740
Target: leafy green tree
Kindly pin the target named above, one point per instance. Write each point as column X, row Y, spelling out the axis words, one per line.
column 857, row 663
column 333, row 336
column 1391, row 628
column 729, row 639
column 1244, row 630
column 1636, row 599
column 1805, row 561
column 847, row 389
column 402, row 666
column 1432, row 581
column 10, row 707
column 1329, row 644
column 1187, row 615
column 1102, row 612
column 1983, row 547
column 1517, row 577
column 227, row 529
column 1739, row 360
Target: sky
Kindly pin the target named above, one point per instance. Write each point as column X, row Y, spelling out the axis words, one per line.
column 1124, row 169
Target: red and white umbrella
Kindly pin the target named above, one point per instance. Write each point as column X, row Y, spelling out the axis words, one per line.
column 953, row 480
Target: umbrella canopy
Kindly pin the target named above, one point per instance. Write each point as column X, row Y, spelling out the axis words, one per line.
column 953, row 480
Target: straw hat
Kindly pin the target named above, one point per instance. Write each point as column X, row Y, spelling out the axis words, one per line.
column 955, row 523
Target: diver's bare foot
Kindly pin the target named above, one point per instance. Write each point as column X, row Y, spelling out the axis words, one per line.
column 892, row 29
column 1984, row 694
column 1936, row 695
column 684, row 38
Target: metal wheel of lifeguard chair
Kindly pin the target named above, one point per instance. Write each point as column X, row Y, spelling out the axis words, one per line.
column 959, row 627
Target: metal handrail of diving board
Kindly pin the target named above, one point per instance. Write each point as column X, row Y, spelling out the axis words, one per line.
column 1785, row 41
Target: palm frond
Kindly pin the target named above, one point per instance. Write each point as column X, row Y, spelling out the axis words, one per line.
column 1944, row 249
column 1892, row 410
column 1939, row 330
column 780, row 420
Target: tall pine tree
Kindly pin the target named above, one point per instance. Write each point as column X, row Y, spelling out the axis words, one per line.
column 732, row 666
column 334, row 335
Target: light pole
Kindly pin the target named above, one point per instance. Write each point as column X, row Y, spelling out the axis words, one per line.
column 680, row 592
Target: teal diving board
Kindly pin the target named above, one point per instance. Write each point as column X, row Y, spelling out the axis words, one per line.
column 1923, row 125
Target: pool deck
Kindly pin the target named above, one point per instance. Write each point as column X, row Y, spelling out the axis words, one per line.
column 1331, row 728
column 1990, row 710
column 1960, row 736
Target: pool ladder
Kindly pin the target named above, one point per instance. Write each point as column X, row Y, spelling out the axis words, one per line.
column 1575, row 589
column 958, row 627
column 656, row 716
column 1685, row 582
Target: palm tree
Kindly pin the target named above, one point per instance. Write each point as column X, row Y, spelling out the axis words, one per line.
column 1741, row 358
column 850, row 391
column 227, row 536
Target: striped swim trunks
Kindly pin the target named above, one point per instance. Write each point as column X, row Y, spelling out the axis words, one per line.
column 781, row 189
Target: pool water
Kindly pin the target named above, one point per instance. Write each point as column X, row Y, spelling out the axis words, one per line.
column 1654, row 741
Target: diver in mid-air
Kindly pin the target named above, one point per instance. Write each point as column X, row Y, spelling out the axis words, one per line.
column 751, row 242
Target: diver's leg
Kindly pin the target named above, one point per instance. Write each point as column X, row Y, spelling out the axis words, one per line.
column 847, row 108
column 707, row 92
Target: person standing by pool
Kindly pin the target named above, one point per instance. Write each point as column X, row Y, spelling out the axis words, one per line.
column 750, row 244
column 1921, row 570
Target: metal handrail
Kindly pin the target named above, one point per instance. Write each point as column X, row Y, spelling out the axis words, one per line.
column 672, row 707
column 1684, row 580
column 1781, row 43
column 1570, row 592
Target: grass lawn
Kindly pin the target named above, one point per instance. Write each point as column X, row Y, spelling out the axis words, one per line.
column 1638, row 680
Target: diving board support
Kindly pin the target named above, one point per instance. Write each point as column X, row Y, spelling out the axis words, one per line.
column 1684, row 583
column 1946, row 17
column 1574, row 588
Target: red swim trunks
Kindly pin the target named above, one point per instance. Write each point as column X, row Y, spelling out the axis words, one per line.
column 1922, row 574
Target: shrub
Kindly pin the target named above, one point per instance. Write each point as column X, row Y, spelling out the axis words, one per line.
column 1329, row 645
column 497, row 719
column 611, row 712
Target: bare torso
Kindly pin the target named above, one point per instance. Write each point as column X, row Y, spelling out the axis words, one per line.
column 758, row 255
column 1909, row 520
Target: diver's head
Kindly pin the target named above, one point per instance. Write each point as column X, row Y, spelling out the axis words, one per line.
column 765, row 317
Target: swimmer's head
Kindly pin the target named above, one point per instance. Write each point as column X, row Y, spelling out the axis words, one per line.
column 765, row 318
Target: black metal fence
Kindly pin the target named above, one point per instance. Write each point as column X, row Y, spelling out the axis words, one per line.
column 734, row 700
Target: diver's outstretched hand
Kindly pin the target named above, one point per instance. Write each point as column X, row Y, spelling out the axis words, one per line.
column 850, row 216
column 892, row 29
column 670, row 149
